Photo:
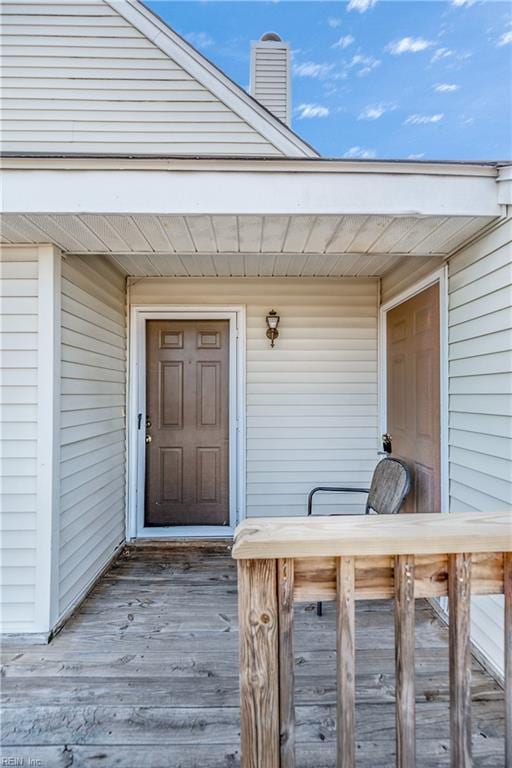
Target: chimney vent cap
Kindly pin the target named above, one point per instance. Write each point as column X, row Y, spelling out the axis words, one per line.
column 271, row 37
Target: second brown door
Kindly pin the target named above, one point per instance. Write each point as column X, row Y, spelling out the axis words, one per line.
column 187, row 431
column 413, row 395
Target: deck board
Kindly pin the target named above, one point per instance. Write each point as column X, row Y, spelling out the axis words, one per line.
column 146, row 674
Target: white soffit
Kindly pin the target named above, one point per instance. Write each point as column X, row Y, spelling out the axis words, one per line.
column 210, row 245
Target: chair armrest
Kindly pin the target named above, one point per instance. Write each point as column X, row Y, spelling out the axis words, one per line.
column 329, row 489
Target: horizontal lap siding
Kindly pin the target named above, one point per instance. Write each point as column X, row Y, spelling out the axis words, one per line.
column 480, row 400
column 92, row 421
column 18, row 436
column 312, row 400
column 410, row 270
column 77, row 77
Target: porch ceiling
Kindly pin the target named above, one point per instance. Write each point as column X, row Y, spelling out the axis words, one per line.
column 247, row 245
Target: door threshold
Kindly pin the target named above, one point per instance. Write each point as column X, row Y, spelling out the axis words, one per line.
column 187, row 532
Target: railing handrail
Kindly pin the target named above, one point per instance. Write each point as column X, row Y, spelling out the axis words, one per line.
column 356, row 535
column 281, row 561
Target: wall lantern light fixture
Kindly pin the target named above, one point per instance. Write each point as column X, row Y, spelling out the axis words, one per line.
column 272, row 323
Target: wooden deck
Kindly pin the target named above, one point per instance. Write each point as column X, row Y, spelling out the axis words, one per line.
column 146, row 676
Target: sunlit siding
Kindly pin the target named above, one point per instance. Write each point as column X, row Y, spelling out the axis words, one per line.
column 480, row 369
column 78, row 77
column 312, row 400
column 93, row 386
column 18, row 437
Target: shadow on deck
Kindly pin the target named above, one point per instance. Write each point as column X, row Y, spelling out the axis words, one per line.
column 145, row 675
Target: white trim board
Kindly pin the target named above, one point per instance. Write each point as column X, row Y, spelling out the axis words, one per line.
column 48, row 438
column 262, row 189
column 440, row 276
column 137, row 405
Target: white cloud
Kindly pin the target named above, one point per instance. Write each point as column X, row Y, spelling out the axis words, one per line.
column 418, row 156
column 460, row 3
column 441, row 53
column 333, row 22
column 408, row 45
column 448, row 53
column 312, row 110
column 360, row 153
column 343, row 42
column 505, row 39
column 365, row 64
column 360, row 5
column 446, row 87
column 423, row 119
column 199, row 39
column 312, row 69
column 376, row 111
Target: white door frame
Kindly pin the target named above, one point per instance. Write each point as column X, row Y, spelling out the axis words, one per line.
column 137, row 405
column 440, row 277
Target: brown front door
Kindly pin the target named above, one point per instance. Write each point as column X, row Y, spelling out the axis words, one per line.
column 413, row 395
column 187, row 458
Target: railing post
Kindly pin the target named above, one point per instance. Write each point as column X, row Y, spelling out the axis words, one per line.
column 459, row 593
column 286, row 662
column 405, row 662
column 259, row 664
column 507, row 584
column 345, row 662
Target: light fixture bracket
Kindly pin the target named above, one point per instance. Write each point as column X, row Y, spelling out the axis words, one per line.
column 272, row 323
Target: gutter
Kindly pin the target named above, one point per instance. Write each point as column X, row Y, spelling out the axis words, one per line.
column 30, row 161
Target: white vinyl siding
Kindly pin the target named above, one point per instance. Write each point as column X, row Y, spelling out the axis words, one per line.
column 93, row 387
column 410, row 270
column 480, row 400
column 18, row 437
column 312, row 400
column 77, row 77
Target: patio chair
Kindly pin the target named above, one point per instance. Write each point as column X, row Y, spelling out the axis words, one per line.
column 390, row 485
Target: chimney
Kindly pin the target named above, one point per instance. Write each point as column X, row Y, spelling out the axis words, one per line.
column 270, row 75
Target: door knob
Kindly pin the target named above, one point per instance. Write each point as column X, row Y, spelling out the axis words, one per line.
column 386, row 443
column 148, row 439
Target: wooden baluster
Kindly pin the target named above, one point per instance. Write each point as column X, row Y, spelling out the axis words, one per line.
column 405, row 662
column 345, row 662
column 259, row 672
column 286, row 662
column 507, row 580
column 459, row 593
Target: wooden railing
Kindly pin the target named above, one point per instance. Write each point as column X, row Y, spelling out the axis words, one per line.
column 344, row 559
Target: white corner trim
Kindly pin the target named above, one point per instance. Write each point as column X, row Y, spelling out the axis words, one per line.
column 48, row 438
column 505, row 185
column 206, row 73
column 136, row 397
column 440, row 276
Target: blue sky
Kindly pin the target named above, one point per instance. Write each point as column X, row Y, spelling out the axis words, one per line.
column 376, row 78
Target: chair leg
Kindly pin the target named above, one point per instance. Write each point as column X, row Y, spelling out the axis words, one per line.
column 319, row 609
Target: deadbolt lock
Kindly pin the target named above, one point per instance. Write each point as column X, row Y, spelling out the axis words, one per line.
column 386, row 442
column 148, row 423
